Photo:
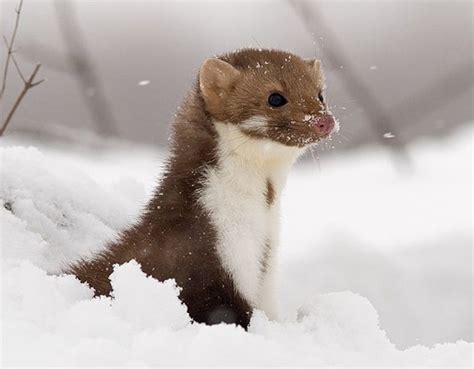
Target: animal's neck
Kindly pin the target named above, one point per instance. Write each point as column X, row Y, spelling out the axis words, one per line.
column 261, row 158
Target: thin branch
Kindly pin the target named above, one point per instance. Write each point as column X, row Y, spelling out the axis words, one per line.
column 17, row 67
column 10, row 49
column 28, row 85
column 12, row 55
column 37, row 83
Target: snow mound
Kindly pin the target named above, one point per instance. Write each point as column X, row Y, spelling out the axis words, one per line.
column 52, row 213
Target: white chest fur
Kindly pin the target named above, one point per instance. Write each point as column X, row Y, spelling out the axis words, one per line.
column 234, row 194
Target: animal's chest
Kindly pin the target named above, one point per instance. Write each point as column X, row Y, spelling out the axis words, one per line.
column 246, row 223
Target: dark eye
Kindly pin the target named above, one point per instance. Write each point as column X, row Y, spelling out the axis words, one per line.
column 276, row 100
column 321, row 97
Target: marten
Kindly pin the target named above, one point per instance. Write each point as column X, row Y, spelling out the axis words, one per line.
column 212, row 224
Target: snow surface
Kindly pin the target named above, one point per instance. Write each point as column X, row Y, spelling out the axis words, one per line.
column 359, row 239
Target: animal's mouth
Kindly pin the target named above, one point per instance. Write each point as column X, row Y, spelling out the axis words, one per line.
column 310, row 130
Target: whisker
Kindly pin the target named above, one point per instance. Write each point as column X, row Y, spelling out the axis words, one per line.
column 314, row 160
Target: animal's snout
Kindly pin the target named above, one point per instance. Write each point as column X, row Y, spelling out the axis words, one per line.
column 323, row 124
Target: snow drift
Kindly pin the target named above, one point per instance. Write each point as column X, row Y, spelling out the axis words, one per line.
column 53, row 212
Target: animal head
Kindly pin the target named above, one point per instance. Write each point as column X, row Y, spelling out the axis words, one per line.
column 268, row 94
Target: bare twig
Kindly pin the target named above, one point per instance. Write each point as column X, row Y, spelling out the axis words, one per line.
column 10, row 49
column 17, row 67
column 28, row 84
column 12, row 56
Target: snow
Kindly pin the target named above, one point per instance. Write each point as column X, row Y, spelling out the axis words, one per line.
column 376, row 265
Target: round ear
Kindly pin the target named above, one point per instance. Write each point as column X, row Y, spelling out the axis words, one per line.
column 316, row 70
column 215, row 77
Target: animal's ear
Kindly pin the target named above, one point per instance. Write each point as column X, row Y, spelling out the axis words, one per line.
column 215, row 77
column 316, row 70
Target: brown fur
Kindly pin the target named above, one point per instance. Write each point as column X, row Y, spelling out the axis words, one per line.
column 270, row 193
column 254, row 76
column 174, row 237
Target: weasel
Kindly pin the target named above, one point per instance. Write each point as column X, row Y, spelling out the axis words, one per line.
column 213, row 222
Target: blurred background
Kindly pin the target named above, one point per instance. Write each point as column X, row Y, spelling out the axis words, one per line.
column 393, row 216
column 120, row 68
